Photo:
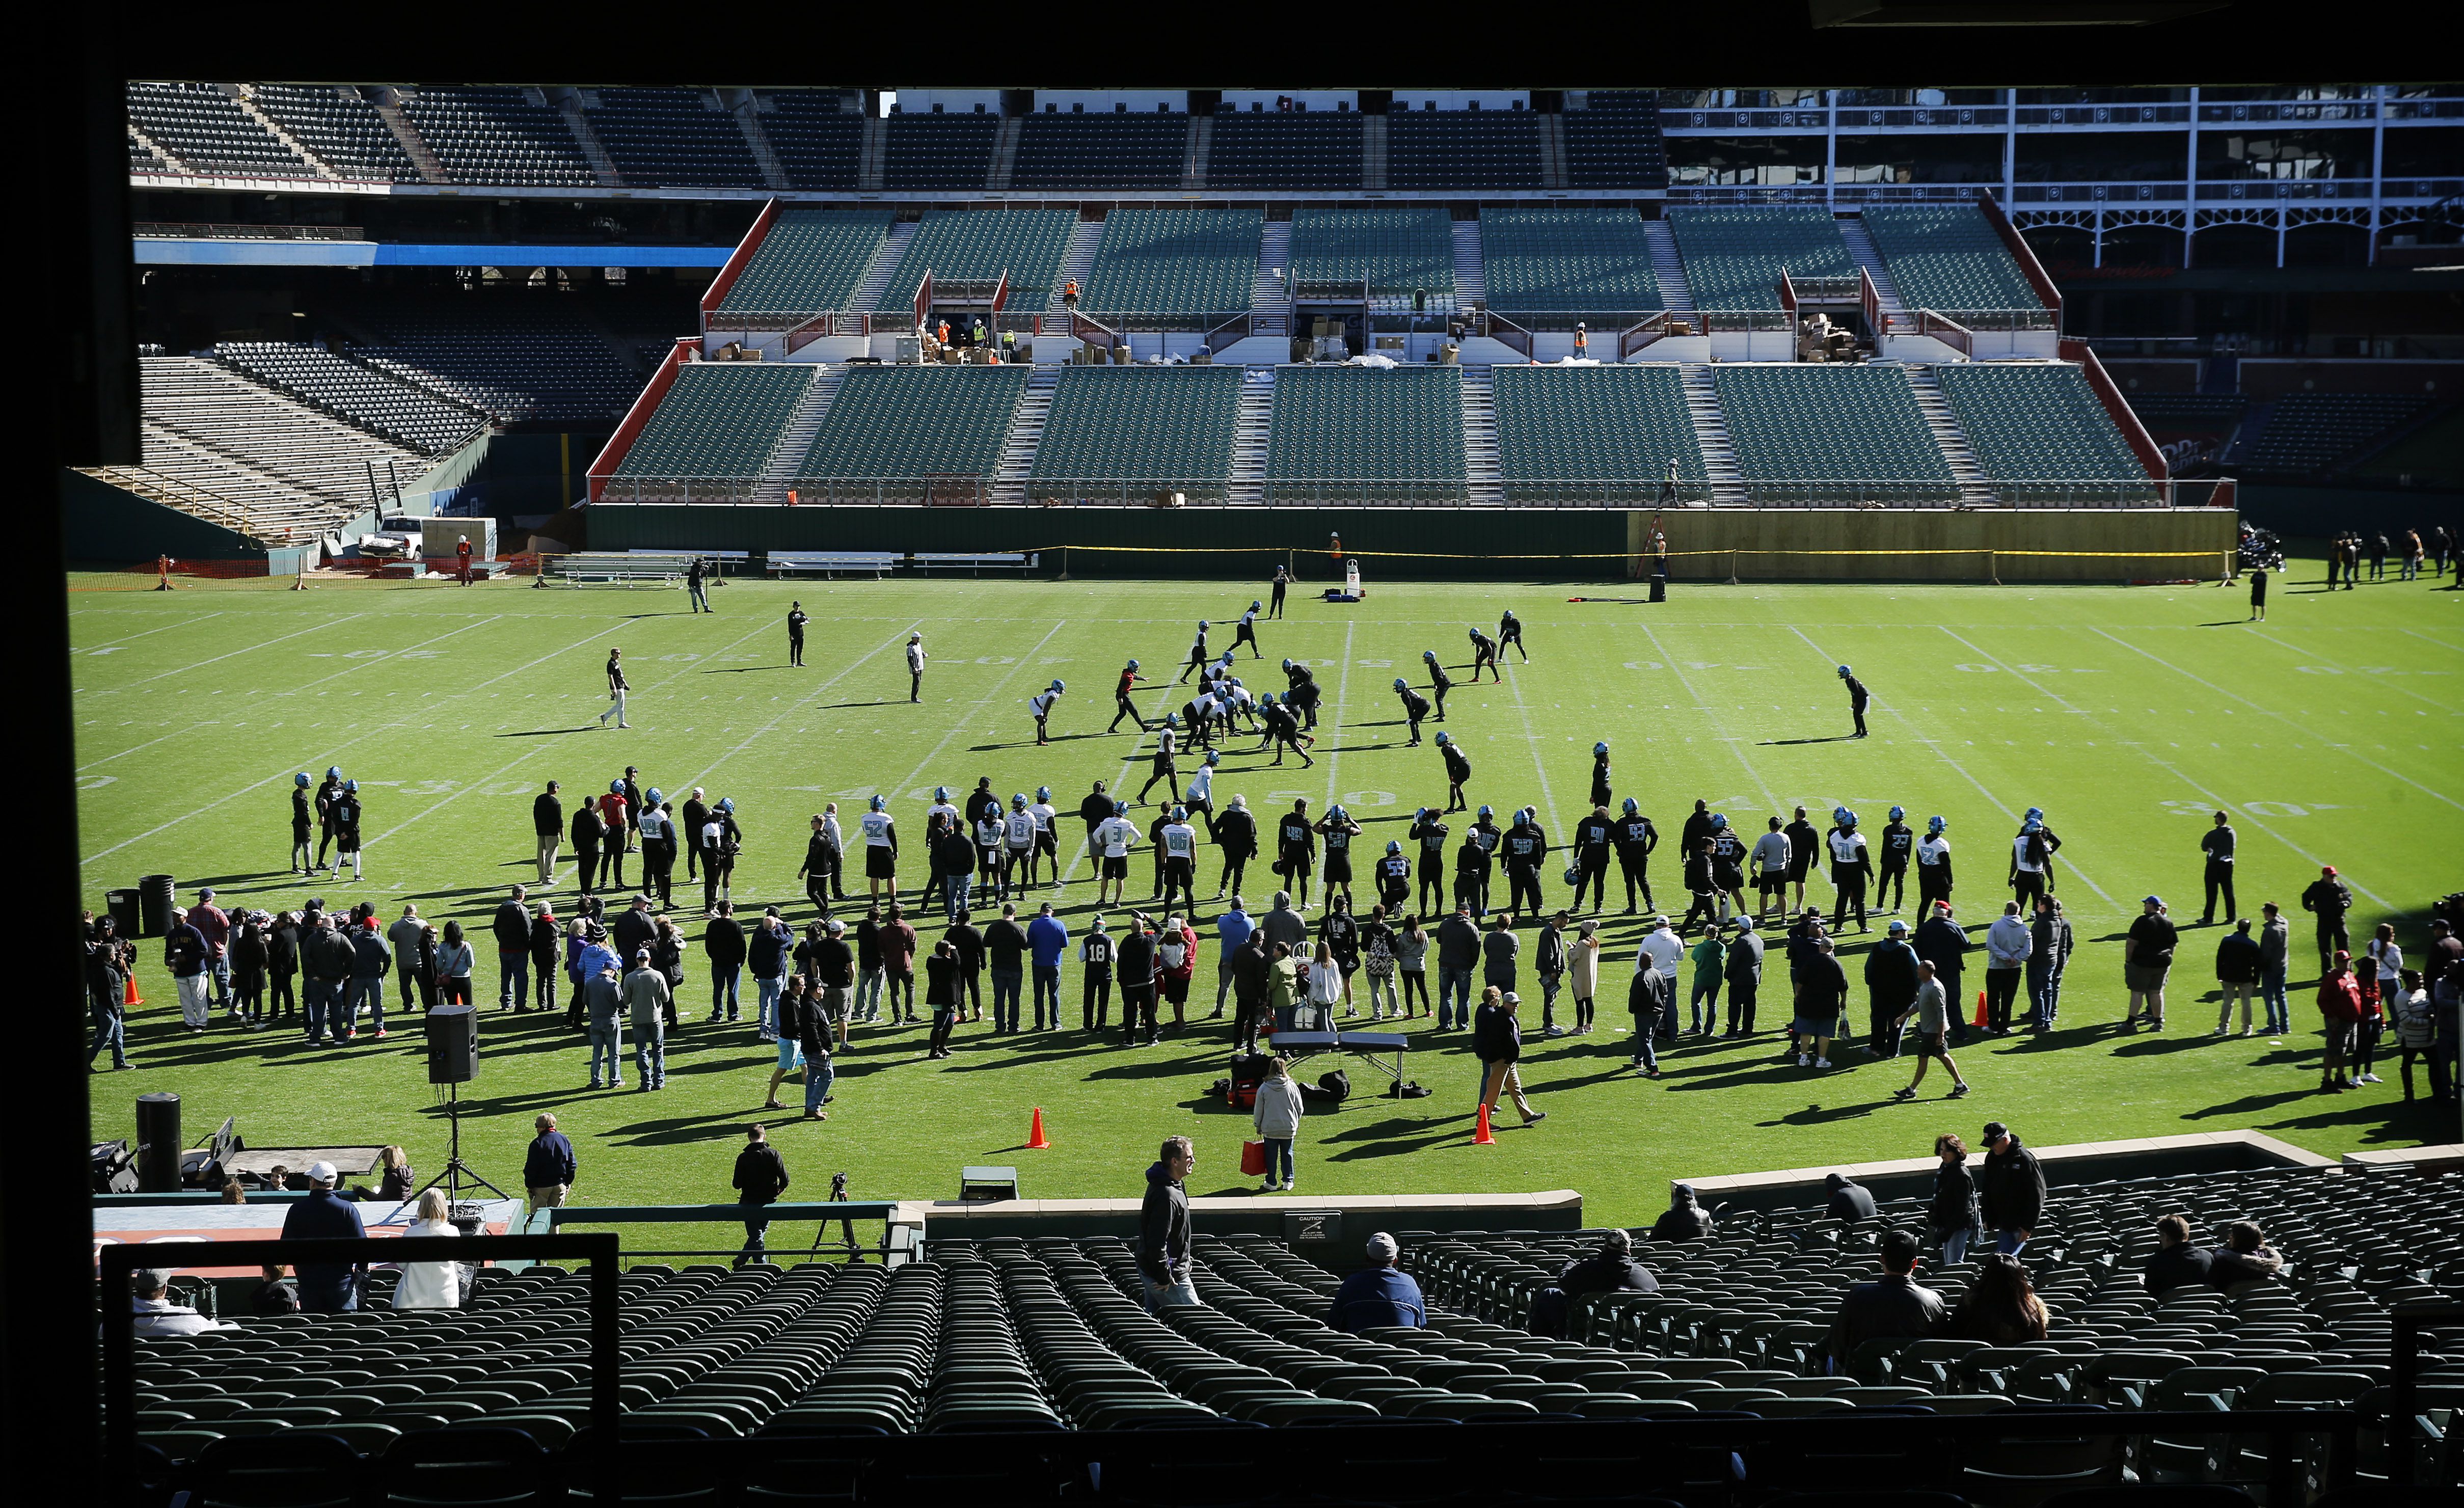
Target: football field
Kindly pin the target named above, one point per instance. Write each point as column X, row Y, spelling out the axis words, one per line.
column 2333, row 733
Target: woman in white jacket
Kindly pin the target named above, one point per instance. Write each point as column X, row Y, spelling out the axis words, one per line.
column 1277, row 1115
column 430, row 1285
column 1325, row 988
column 1583, row 973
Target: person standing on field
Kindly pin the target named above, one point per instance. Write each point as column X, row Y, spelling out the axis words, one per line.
column 2218, row 843
column 617, row 687
column 2146, row 956
column 696, row 592
column 916, row 659
column 1931, row 1010
column 796, row 621
column 2329, row 898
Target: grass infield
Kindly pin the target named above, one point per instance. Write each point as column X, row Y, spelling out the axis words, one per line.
column 2331, row 733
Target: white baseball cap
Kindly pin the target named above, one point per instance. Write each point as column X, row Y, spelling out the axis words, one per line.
column 322, row 1173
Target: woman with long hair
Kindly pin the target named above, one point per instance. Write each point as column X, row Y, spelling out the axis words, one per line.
column 1583, row 973
column 453, row 964
column 1411, row 964
column 1325, row 985
column 2002, row 1307
column 1951, row 1218
column 1276, row 1114
column 394, row 1176
column 430, row 1285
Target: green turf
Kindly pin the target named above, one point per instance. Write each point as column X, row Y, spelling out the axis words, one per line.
column 2331, row 732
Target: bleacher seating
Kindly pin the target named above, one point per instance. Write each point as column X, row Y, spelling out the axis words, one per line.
column 339, row 127
column 296, row 471
column 380, row 403
column 809, row 263
column 1733, row 256
column 143, row 161
column 1559, row 425
column 207, row 129
column 1615, row 143
column 1101, row 151
column 1282, row 150
column 894, row 423
column 672, row 137
column 1167, row 428
column 1174, row 262
column 1462, row 149
column 2309, row 432
column 817, row 139
column 1396, row 251
column 719, row 422
column 1384, row 435
column 1010, row 1333
column 977, row 245
column 2038, row 422
column 520, row 353
column 1568, row 261
column 1947, row 257
column 496, row 136
column 1828, row 430
column 939, row 151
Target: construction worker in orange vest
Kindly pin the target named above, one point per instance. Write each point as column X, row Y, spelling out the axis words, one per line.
column 1069, row 294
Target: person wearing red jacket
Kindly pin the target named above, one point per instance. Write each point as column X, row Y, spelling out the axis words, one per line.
column 1175, row 959
column 2340, row 1003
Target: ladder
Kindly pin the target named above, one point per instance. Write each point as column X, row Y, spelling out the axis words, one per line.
column 1025, row 436
column 1482, row 475
column 1869, row 256
column 1668, row 267
column 1973, row 487
column 787, row 457
column 1270, row 300
column 1471, row 281
column 1251, row 428
column 1711, row 434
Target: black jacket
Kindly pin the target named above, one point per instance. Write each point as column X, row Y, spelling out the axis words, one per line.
column 2012, row 1188
column 547, row 817
column 1685, row 1220
column 1163, row 1228
column 760, row 1174
column 1603, row 1273
column 724, row 941
column 511, row 925
column 1894, row 1305
column 1954, row 1207
column 2227, row 1267
column 2238, row 960
column 1849, row 1201
column 2184, row 1266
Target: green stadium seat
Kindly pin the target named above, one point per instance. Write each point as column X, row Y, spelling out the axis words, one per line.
column 1733, row 256
column 979, row 245
column 2038, row 423
column 1361, row 433
column 1594, row 262
column 809, row 263
column 1839, row 434
column 1947, row 257
column 902, row 425
column 1563, row 430
column 719, row 421
column 1142, row 429
column 1192, row 266
column 1395, row 252
column 2309, row 432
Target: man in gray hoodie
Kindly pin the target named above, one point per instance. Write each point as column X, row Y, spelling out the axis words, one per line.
column 2007, row 943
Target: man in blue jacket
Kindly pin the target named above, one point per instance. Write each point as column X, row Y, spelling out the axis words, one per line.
column 370, row 962
column 1046, row 940
column 1378, row 1295
column 325, row 1287
column 547, row 1172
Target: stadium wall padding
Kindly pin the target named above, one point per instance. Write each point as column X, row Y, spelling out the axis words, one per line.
column 104, row 523
column 1592, row 544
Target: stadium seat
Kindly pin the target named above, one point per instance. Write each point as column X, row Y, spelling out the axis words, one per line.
column 1733, row 256
column 1172, row 269
column 671, row 138
column 1281, row 149
column 1394, row 251
column 497, row 136
column 906, row 424
column 1144, row 430
column 938, row 152
column 817, row 138
column 1357, row 432
column 2310, row 431
column 1107, row 151
column 1572, row 262
column 1614, row 142
column 207, row 130
column 1561, row 431
column 289, row 1471
column 1829, row 431
column 979, row 246
column 719, row 422
column 1462, row 149
column 1947, row 257
column 2032, row 422
column 382, row 403
column 339, row 127
column 809, row 263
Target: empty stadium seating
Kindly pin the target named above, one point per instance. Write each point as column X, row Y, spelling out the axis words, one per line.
column 2308, row 432
column 1281, row 149
column 1395, row 251
column 295, row 471
column 1830, row 433
column 667, row 137
column 1360, row 433
column 819, row 142
column 520, row 353
column 1614, row 142
column 1733, row 256
column 1101, row 151
column 809, row 263
column 1462, row 149
column 906, row 423
column 978, row 246
column 718, row 422
column 1947, row 257
column 938, row 152
column 2038, row 422
column 383, row 404
column 207, row 129
column 1174, row 262
column 1168, row 428
column 497, row 136
column 339, row 127
column 1562, row 427
column 1568, row 261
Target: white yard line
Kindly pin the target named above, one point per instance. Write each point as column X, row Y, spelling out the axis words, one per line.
column 260, row 645
column 1342, row 690
column 1770, row 801
column 758, row 733
column 1936, row 745
column 184, row 623
column 2168, row 766
column 2299, row 653
column 960, row 725
column 2306, row 730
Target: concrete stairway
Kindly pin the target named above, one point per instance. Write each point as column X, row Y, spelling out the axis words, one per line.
column 1471, row 279
column 1026, row 435
column 1711, row 433
column 1076, row 258
column 1004, row 164
column 886, row 258
column 1869, row 256
column 787, row 457
column 1481, row 469
column 1668, row 267
column 388, row 108
column 1250, row 435
column 1201, row 146
column 1973, row 487
column 1270, row 300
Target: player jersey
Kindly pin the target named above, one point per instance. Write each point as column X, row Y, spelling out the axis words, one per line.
column 1128, row 678
column 2020, row 856
column 940, row 816
column 1096, row 953
column 344, row 813
column 1897, row 840
column 1457, row 766
column 710, row 832
column 1394, row 869
column 1594, row 832
column 1018, row 830
column 1043, row 813
column 1725, row 849
column 1338, row 838
column 1247, row 619
column 1180, row 842
column 1523, row 845
column 1293, row 832
column 1847, row 848
column 988, row 832
column 878, row 829
column 654, row 825
column 1484, row 836
column 1041, row 703
column 1482, row 646
column 1932, row 851
column 1201, row 787
column 300, row 810
column 1116, row 834
column 1433, row 838
column 1634, row 835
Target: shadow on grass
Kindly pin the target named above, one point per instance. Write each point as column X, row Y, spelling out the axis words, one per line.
column 549, row 733
column 746, row 670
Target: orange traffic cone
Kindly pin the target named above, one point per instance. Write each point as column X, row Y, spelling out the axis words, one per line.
column 1480, row 1134
column 1979, row 1022
column 132, row 998
column 1034, row 1141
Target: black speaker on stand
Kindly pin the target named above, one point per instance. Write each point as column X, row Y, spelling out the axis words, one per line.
column 157, row 1143
column 452, row 1061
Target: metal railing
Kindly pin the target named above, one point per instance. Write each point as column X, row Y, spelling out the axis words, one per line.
column 1404, row 492
column 159, row 229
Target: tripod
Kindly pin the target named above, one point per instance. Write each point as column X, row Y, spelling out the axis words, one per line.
column 455, row 1170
